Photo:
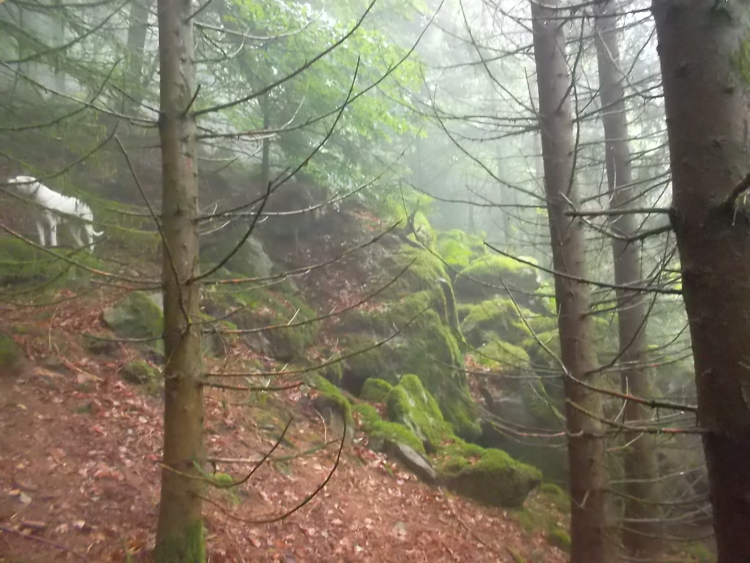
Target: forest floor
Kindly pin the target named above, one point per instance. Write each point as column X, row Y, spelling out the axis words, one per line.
column 79, row 471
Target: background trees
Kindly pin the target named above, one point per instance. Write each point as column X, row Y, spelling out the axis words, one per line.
column 384, row 191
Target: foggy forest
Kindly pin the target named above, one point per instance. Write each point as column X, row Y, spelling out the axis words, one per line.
column 374, row 280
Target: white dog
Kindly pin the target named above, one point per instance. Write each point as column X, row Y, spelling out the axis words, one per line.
column 58, row 208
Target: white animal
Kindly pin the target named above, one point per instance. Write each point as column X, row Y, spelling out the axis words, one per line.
column 58, row 209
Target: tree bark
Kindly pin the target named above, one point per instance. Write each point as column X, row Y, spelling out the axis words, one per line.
column 590, row 521
column 641, row 531
column 703, row 50
column 179, row 534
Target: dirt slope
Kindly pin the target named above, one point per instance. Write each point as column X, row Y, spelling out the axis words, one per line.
column 79, row 473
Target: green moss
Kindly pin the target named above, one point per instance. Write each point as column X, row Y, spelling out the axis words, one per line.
column 458, row 249
column 333, row 394
column 544, row 408
column 427, row 348
column 333, row 373
column 496, row 318
column 181, row 547
column 526, row 520
column 375, row 427
column 462, row 310
column 491, row 270
column 499, row 355
column 410, row 404
column 698, row 553
column 559, row 538
column 539, row 356
column 455, row 456
column 376, row 362
column 260, row 308
column 139, row 373
column 424, row 271
column 375, row 390
column 10, row 352
column 555, row 495
column 517, row 557
column 427, row 345
column 494, row 479
column 136, row 316
column 21, row 263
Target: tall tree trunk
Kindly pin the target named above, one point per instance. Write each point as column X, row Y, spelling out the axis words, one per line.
column 590, row 523
column 58, row 40
column 640, row 536
column 137, row 32
column 265, row 163
column 705, row 60
column 179, row 534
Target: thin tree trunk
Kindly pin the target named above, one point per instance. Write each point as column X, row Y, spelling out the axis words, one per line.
column 179, row 534
column 265, row 165
column 590, row 523
column 705, row 60
column 58, row 40
column 641, row 532
column 137, row 32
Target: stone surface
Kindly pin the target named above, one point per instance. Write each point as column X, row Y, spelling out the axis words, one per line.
column 414, row 462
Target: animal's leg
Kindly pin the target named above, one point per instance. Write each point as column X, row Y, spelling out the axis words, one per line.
column 75, row 233
column 90, row 237
column 52, row 220
column 40, row 231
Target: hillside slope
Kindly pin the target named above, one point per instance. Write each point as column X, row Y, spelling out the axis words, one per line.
column 79, row 470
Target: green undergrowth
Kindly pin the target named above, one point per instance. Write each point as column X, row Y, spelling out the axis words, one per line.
column 24, row 264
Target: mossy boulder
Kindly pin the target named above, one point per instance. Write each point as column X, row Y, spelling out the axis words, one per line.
column 250, row 260
column 503, row 357
column 278, row 316
column 11, row 355
column 333, row 406
column 483, row 279
column 136, row 316
column 427, row 348
column 139, row 373
column 496, row 318
column 410, row 404
column 494, row 479
column 411, row 328
column 458, row 249
column 375, row 390
column 382, row 432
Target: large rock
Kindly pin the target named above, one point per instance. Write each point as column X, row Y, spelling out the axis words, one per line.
column 493, row 318
column 483, row 279
column 410, row 404
column 250, row 260
column 136, row 316
column 259, row 308
column 414, row 462
column 495, row 479
column 406, row 335
column 375, row 390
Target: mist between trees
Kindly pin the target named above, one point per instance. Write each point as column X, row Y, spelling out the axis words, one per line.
column 508, row 200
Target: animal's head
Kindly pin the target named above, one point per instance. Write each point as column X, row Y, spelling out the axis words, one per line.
column 26, row 185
